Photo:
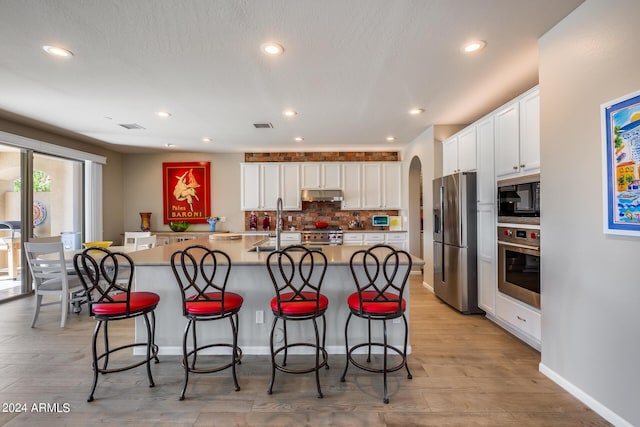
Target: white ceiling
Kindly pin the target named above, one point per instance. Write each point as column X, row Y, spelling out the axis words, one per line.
column 351, row 69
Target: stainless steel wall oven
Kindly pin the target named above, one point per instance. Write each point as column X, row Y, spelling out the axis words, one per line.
column 519, row 263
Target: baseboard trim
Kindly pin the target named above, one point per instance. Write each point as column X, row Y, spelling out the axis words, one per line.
column 583, row 397
column 427, row 286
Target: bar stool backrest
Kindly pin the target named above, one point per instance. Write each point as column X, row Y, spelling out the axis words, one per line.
column 104, row 275
column 202, row 275
column 380, row 274
column 297, row 274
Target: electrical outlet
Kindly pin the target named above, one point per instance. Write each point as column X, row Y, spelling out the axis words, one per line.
column 290, row 218
column 223, row 219
column 260, row 316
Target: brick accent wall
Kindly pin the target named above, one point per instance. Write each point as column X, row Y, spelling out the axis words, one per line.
column 313, row 212
column 383, row 156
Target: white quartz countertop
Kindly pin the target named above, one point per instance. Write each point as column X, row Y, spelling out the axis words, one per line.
column 238, row 251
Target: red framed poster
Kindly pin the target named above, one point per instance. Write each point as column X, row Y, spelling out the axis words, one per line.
column 186, row 192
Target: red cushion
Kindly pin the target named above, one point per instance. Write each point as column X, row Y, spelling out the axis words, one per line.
column 299, row 306
column 209, row 307
column 375, row 307
column 139, row 301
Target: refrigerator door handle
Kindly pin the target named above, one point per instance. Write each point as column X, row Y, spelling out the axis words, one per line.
column 442, row 219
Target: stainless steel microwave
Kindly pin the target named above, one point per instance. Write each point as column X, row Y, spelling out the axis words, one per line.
column 519, row 197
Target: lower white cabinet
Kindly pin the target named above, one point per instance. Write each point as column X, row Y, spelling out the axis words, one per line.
column 374, row 238
column 397, row 240
column 353, row 239
column 519, row 316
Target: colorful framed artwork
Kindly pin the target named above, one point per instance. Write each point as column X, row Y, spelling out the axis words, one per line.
column 621, row 168
column 186, row 193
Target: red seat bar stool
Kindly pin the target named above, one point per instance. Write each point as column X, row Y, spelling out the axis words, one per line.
column 202, row 275
column 297, row 274
column 380, row 275
column 107, row 278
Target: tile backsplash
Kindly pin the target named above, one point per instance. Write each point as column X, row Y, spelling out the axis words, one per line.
column 313, row 212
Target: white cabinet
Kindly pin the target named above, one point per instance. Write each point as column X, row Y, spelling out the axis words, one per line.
column 351, row 185
column 371, row 185
column 486, row 231
column 290, row 186
column 485, row 175
column 525, row 320
column 353, row 239
column 262, row 183
column 450, row 156
column 374, row 238
column 250, row 191
column 321, row 175
column 459, row 152
column 398, row 240
column 517, row 136
column 392, row 185
column 486, row 259
column 395, row 239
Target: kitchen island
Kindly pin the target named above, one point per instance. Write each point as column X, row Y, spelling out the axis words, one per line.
column 249, row 278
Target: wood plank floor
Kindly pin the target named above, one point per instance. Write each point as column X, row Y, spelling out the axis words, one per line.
column 466, row 372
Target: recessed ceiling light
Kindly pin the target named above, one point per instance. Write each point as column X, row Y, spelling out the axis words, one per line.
column 170, row 145
column 272, row 49
column 391, row 138
column 207, row 139
column 416, row 111
column 298, row 139
column 474, row 46
column 163, row 114
column 58, row 51
column 289, row 113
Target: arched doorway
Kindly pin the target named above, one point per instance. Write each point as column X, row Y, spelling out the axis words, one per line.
column 416, row 239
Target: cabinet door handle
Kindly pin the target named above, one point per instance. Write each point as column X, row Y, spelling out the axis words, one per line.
column 521, row 318
column 515, row 168
column 522, row 166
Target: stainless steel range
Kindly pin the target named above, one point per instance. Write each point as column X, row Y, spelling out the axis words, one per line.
column 326, row 236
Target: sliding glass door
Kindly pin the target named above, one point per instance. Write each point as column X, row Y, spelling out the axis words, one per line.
column 10, row 223
column 53, row 187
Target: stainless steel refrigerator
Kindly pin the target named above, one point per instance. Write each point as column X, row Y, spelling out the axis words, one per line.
column 454, row 241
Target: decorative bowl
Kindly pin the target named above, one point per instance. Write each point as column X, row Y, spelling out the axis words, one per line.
column 179, row 226
column 321, row 224
column 103, row 244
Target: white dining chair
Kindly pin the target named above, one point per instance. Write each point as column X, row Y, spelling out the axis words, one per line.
column 48, row 270
column 130, row 237
column 146, row 242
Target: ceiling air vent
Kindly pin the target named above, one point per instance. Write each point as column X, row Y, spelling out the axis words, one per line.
column 131, row 126
column 263, row 125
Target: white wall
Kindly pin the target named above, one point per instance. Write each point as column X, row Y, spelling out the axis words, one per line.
column 143, row 188
column 590, row 281
column 428, row 148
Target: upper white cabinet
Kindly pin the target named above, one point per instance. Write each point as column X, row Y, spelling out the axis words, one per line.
column 365, row 185
column 372, row 185
column 392, row 185
column 321, row 175
column 351, row 185
column 485, row 178
column 262, row 184
column 517, row 136
column 459, row 152
column 290, row 186
column 450, row 155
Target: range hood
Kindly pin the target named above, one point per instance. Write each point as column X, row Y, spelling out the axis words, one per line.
column 321, row 195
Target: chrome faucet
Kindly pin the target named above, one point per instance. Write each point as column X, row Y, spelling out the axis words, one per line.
column 279, row 222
